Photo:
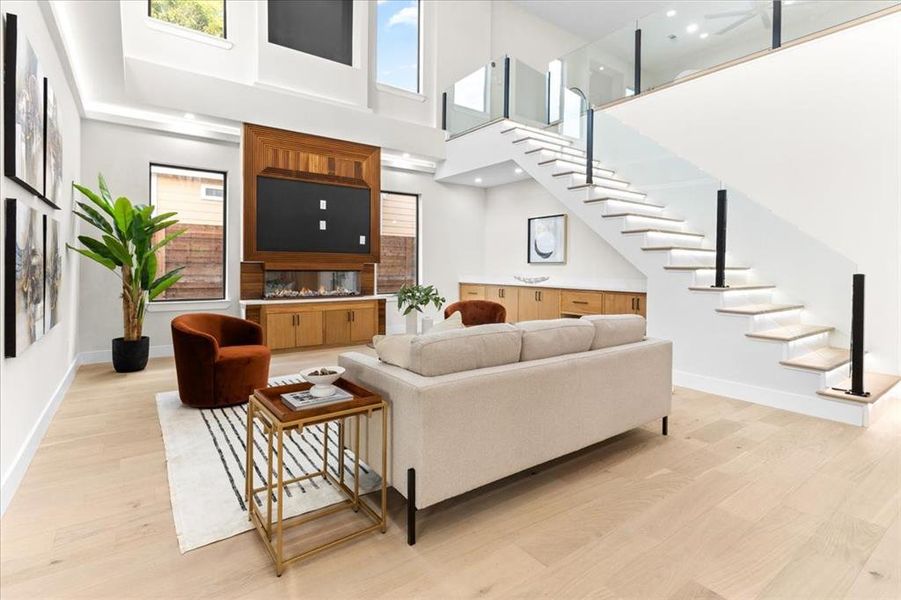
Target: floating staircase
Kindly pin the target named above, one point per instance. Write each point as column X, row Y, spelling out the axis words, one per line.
column 807, row 349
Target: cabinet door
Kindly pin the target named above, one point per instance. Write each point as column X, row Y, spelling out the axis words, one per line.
column 507, row 297
column 528, row 304
column 309, row 328
column 469, row 291
column 337, row 326
column 362, row 324
column 548, row 304
column 619, row 304
column 640, row 305
column 280, row 330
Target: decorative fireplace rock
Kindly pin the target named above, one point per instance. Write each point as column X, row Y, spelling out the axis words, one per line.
column 311, row 284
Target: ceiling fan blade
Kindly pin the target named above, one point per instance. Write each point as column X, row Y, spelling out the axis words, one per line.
column 738, row 22
column 728, row 13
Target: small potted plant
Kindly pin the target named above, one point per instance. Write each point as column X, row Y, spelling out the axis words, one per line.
column 411, row 299
column 128, row 248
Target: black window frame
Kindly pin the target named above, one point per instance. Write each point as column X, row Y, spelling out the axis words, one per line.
column 224, row 21
column 416, row 245
column 420, row 40
column 150, row 200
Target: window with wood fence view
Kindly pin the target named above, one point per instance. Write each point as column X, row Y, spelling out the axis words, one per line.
column 198, row 198
column 205, row 16
column 398, row 263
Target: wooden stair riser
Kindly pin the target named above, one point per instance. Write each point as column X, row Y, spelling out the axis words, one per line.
column 521, row 134
column 805, row 345
column 574, row 165
column 579, row 179
column 707, row 277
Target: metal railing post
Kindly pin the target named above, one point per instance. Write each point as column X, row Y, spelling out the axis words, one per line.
column 721, row 207
column 637, row 61
column 777, row 23
column 444, row 111
column 589, row 147
column 506, row 87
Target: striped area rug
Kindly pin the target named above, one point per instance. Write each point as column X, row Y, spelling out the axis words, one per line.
column 205, row 456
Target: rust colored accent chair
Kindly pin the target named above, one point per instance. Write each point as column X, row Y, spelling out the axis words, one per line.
column 219, row 360
column 478, row 312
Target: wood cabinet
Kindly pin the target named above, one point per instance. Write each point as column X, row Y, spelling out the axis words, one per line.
column 506, row 296
column 540, row 303
column 531, row 303
column 469, row 291
column 306, row 325
column 623, row 303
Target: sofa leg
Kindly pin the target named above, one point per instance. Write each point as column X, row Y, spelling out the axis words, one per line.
column 665, row 426
column 411, row 506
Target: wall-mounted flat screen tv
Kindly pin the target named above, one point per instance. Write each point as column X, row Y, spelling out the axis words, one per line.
column 301, row 216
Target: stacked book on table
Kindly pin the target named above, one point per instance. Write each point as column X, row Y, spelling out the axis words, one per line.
column 304, row 399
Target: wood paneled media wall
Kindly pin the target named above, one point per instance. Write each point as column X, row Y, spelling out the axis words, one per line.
column 295, row 156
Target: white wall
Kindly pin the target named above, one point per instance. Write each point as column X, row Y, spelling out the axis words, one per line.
column 30, row 383
column 591, row 261
column 123, row 154
column 528, row 38
column 451, row 236
column 812, row 134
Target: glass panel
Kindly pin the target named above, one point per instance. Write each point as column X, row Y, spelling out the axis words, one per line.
column 476, row 99
column 602, row 71
column 206, row 16
column 802, row 18
column 528, row 94
column 311, row 284
column 397, row 50
column 398, row 265
column 198, row 199
column 691, row 36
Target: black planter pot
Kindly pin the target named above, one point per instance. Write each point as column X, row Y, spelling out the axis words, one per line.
column 131, row 356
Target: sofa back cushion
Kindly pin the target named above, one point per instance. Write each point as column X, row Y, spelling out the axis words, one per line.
column 553, row 337
column 465, row 349
column 613, row 330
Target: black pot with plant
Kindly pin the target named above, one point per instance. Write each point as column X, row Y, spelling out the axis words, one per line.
column 130, row 237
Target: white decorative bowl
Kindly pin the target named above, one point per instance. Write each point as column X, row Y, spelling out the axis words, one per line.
column 322, row 384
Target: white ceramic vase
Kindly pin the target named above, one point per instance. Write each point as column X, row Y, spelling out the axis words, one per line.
column 413, row 322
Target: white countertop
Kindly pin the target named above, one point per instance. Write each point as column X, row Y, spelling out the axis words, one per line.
column 637, row 286
column 259, row 301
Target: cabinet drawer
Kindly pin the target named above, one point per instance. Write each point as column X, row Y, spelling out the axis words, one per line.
column 581, row 303
column 472, row 292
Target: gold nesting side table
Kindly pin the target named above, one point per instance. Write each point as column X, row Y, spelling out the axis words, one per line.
column 278, row 420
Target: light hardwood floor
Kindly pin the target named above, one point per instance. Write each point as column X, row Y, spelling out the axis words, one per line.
column 740, row 501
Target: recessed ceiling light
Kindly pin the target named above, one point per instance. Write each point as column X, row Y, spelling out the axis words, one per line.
column 517, row 170
column 788, row 2
column 704, row 35
column 601, row 68
column 406, row 155
column 478, row 180
column 189, row 116
column 692, row 28
column 670, row 13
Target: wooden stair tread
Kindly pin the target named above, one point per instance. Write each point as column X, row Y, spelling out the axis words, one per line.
column 582, row 186
column 595, row 175
column 732, row 288
column 570, row 152
column 543, row 140
column 645, row 216
column 758, row 309
column 701, row 268
column 790, row 332
column 667, row 248
column 822, row 359
column 581, row 164
column 666, row 231
column 636, row 202
column 875, row 383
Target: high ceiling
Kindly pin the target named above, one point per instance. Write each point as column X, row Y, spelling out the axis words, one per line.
column 591, row 20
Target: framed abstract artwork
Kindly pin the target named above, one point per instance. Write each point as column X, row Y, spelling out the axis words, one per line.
column 547, row 239
column 24, row 273
column 53, row 149
column 23, row 118
column 53, row 272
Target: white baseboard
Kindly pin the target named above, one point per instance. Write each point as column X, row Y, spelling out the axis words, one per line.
column 13, row 477
column 853, row 413
column 101, row 356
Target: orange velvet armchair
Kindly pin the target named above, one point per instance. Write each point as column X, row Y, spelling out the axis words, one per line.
column 219, row 360
column 477, row 312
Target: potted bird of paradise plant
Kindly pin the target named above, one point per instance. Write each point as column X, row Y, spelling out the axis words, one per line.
column 129, row 240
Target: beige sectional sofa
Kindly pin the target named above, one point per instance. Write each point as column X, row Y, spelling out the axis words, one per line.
column 482, row 403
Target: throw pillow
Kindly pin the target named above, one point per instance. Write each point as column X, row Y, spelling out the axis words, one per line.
column 455, row 321
column 394, row 349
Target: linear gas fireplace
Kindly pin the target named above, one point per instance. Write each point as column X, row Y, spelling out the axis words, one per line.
column 311, row 284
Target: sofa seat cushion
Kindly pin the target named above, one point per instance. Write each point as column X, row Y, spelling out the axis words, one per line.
column 465, row 349
column 554, row 337
column 614, row 330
